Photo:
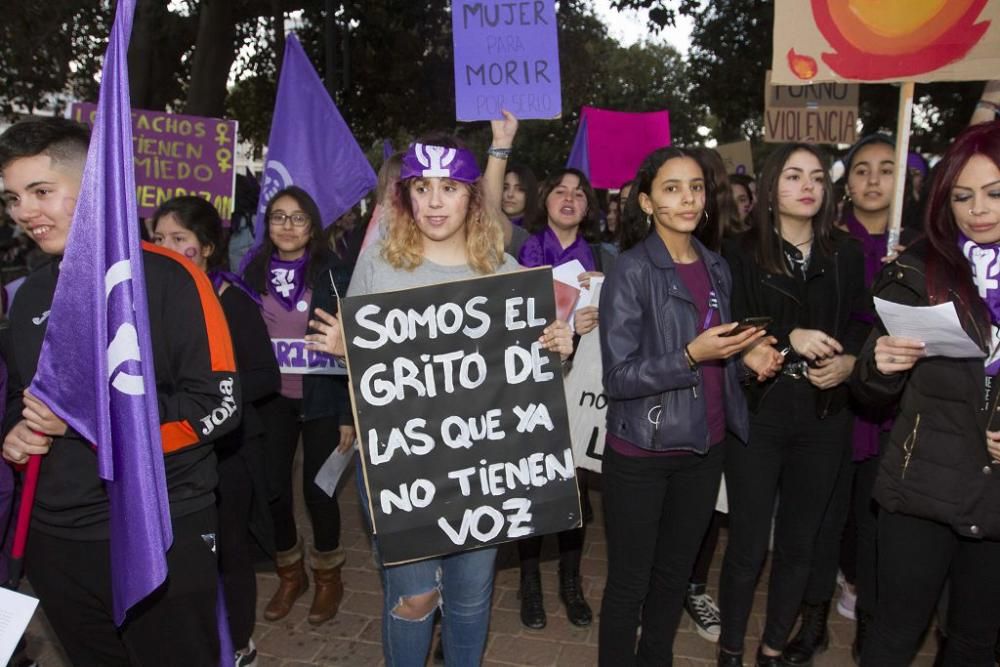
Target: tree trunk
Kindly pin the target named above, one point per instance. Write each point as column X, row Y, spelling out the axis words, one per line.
column 154, row 54
column 214, row 52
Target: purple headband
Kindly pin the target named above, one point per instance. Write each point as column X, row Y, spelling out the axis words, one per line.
column 423, row 161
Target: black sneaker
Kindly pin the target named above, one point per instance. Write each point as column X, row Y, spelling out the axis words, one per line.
column 249, row 658
column 705, row 614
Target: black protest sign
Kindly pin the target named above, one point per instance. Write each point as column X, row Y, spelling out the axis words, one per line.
column 461, row 414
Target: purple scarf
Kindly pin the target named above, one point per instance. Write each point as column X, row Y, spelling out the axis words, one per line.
column 286, row 281
column 218, row 277
column 544, row 248
column 984, row 259
column 869, row 424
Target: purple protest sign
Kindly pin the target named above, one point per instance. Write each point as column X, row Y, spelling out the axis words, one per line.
column 506, row 57
column 178, row 155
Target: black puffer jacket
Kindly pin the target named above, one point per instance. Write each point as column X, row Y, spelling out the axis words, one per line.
column 936, row 466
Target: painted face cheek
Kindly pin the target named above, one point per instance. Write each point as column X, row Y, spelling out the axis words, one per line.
column 190, row 252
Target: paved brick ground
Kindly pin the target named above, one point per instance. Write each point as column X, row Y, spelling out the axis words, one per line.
column 353, row 637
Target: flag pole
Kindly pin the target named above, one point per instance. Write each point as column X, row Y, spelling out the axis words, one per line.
column 24, row 519
column 903, row 122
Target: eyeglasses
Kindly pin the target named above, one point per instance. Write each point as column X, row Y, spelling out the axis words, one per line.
column 297, row 219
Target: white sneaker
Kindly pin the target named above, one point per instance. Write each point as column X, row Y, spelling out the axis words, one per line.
column 847, row 599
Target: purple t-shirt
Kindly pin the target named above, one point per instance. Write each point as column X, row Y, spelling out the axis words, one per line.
column 695, row 278
column 544, row 248
column 287, row 324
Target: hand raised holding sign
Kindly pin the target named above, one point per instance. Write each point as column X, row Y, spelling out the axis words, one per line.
column 504, row 130
column 330, row 335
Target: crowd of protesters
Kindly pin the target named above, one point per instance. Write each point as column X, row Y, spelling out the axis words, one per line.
column 740, row 347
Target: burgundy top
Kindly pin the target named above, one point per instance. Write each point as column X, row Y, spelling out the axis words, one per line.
column 544, row 248
column 695, row 277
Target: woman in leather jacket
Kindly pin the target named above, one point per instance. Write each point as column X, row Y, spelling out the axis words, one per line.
column 796, row 268
column 938, row 483
column 668, row 348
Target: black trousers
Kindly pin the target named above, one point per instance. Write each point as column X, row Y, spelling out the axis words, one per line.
column 656, row 512
column 282, row 419
column 699, row 575
column 239, row 581
column 916, row 557
column 176, row 625
column 847, row 538
column 794, row 454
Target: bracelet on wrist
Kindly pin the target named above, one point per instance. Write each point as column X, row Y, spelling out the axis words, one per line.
column 500, row 153
column 989, row 104
column 692, row 364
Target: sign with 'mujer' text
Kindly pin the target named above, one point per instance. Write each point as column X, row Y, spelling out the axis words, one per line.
column 177, row 155
column 461, row 415
column 506, row 57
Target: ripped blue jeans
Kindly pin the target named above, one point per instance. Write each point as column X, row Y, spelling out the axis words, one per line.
column 464, row 582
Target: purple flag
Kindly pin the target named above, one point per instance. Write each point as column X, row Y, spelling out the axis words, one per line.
column 579, row 155
column 96, row 363
column 310, row 144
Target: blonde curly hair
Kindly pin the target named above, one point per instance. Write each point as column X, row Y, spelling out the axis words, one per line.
column 403, row 244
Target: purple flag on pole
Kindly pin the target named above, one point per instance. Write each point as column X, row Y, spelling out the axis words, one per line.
column 96, row 363
column 579, row 155
column 310, row 144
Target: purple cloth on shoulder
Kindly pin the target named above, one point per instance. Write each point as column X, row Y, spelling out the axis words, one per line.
column 544, row 248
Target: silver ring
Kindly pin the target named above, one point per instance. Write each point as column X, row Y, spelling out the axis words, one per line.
column 892, row 359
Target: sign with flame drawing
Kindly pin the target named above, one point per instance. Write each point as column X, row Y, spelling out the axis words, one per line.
column 885, row 40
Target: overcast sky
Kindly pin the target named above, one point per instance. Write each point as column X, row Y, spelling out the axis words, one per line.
column 629, row 26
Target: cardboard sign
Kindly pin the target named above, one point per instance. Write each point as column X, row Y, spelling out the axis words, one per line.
column 822, row 113
column 737, row 156
column 178, row 155
column 460, row 414
column 585, row 399
column 880, row 40
column 506, row 57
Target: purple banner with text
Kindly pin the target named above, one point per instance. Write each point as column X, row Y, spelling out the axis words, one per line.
column 178, row 155
column 506, row 57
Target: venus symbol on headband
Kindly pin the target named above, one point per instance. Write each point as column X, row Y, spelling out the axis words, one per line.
column 435, row 159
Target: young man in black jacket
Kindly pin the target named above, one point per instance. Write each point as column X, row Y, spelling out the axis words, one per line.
column 68, row 555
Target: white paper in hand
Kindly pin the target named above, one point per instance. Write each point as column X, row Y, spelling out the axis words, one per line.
column 15, row 613
column 937, row 326
column 333, row 469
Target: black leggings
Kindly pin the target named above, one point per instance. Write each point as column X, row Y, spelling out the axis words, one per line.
column 282, row 419
column 915, row 558
column 797, row 455
column 239, row 581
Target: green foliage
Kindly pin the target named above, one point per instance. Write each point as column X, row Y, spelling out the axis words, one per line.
column 731, row 51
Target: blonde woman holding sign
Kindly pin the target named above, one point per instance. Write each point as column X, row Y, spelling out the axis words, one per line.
column 441, row 228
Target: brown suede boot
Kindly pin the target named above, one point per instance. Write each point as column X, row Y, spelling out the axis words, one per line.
column 326, row 567
column 292, row 582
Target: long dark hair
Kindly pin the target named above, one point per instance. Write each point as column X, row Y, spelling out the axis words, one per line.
column 635, row 225
column 948, row 270
column 720, row 205
column 764, row 237
column 529, row 183
column 590, row 226
column 256, row 271
column 200, row 218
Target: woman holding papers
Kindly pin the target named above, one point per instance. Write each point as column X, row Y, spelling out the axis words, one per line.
column 794, row 267
column 441, row 228
column 293, row 272
column 566, row 227
column 672, row 378
column 938, row 482
column 192, row 227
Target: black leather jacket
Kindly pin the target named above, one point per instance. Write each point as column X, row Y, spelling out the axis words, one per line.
column 833, row 290
column 647, row 316
column 936, row 465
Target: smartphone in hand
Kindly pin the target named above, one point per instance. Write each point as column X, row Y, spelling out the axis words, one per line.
column 760, row 322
